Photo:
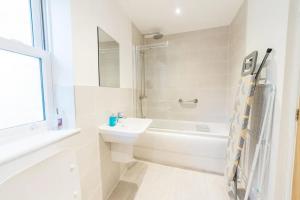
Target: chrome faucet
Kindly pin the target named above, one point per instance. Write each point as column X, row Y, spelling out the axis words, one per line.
column 121, row 115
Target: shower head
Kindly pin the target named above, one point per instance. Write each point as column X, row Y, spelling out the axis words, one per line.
column 155, row 36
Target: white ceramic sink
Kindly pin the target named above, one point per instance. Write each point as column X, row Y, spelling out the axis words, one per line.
column 123, row 136
column 126, row 131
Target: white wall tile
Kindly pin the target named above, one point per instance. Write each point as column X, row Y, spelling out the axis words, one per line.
column 194, row 65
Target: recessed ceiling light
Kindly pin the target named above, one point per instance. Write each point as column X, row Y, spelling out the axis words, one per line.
column 178, row 11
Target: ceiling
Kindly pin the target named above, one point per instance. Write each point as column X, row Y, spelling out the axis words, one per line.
column 160, row 15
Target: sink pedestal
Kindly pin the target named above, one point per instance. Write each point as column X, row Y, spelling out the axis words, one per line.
column 122, row 153
column 123, row 136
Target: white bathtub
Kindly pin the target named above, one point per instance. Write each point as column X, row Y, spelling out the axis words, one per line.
column 192, row 145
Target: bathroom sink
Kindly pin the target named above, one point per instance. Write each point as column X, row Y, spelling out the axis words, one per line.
column 126, row 131
column 123, row 136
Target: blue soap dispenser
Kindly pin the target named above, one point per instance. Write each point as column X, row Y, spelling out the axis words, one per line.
column 112, row 121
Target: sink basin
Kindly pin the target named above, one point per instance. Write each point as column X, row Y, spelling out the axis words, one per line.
column 123, row 136
column 126, row 131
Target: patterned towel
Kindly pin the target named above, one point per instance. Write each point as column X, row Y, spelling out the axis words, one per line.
column 238, row 130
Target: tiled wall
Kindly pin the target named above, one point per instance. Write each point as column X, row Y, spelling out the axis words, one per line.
column 93, row 106
column 237, row 49
column 194, row 65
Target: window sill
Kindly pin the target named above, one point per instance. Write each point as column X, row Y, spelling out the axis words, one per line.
column 16, row 149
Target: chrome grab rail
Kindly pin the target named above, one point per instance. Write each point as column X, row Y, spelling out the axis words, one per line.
column 188, row 101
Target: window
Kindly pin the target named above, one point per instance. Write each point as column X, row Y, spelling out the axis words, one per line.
column 22, row 20
column 17, row 24
column 22, row 98
column 23, row 64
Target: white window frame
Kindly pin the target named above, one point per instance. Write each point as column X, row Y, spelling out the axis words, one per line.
column 37, row 50
column 38, row 25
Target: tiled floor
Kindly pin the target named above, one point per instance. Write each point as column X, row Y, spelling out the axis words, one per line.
column 149, row 181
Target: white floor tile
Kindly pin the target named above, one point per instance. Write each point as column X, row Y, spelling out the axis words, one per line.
column 169, row 183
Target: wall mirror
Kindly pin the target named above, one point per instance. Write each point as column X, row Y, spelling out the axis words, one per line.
column 108, row 60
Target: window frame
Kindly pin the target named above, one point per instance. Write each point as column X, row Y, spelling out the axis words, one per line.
column 37, row 50
column 38, row 25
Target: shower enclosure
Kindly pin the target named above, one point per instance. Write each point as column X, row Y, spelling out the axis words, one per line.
column 141, row 60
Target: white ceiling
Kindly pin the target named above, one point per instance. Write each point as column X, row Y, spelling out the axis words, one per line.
column 159, row 15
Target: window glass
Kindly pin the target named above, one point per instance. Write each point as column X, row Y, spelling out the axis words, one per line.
column 15, row 20
column 21, row 90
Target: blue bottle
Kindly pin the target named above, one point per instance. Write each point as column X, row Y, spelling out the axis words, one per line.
column 113, row 119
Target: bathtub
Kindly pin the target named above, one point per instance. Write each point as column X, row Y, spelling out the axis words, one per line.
column 192, row 145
